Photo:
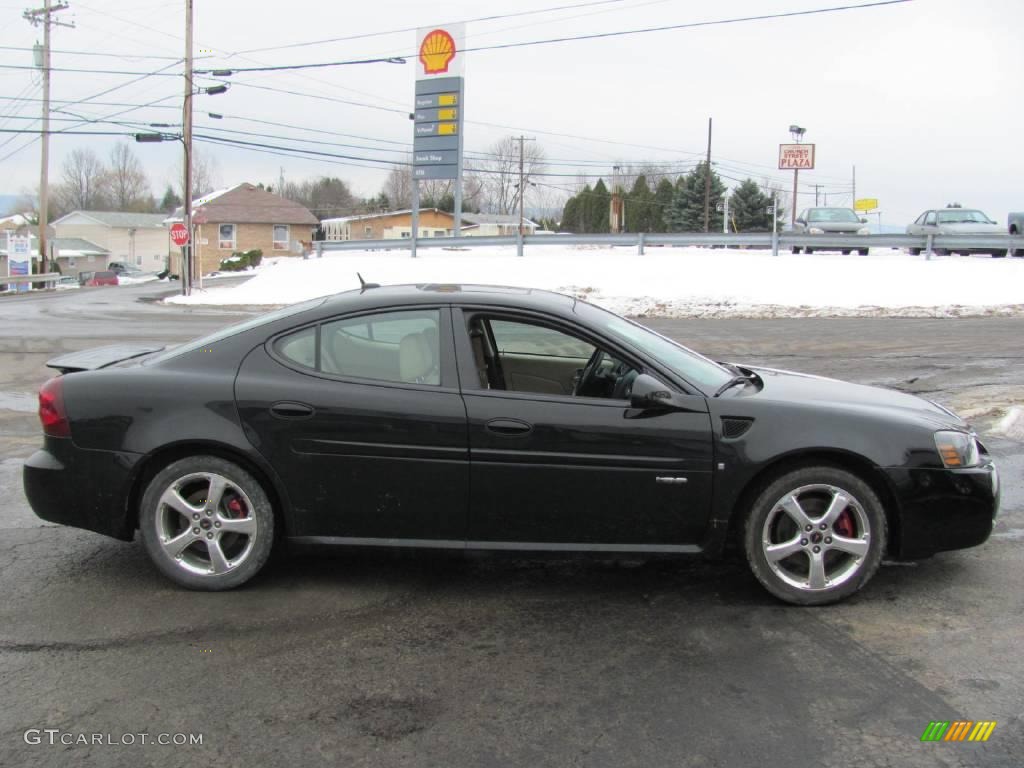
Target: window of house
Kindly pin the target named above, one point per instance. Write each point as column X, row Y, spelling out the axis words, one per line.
column 226, row 239
column 71, row 261
column 367, row 231
column 280, row 237
column 406, row 234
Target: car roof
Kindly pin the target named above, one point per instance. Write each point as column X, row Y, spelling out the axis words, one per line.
column 449, row 293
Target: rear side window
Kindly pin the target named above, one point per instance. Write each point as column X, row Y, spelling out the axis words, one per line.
column 400, row 347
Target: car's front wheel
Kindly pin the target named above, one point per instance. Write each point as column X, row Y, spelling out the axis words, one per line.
column 206, row 523
column 815, row 535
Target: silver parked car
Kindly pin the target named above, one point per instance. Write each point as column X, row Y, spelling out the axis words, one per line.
column 956, row 221
column 831, row 221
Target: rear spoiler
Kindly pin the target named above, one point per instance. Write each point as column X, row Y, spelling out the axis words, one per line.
column 100, row 357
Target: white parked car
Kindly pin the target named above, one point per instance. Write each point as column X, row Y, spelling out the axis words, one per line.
column 956, row 221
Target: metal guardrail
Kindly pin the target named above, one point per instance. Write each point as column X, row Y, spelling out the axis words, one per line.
column 928, row 245
column 45, row 277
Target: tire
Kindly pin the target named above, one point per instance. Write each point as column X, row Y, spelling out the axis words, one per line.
column 200, row 545
column 942, row 252
column 845, row 252
column 862, row 251
column 808, row 250
column 842, row 569
column 915, row 251
column 796, row 249
column 1000, row 254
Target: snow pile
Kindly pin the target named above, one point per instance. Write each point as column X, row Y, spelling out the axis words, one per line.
column 668, row 282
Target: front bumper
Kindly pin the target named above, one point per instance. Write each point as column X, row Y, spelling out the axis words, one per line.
column 81, row 488
column 944, row 509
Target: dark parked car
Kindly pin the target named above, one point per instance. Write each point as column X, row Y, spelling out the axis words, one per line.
column 484, row 418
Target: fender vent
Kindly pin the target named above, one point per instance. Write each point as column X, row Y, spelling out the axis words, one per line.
column 735, row 426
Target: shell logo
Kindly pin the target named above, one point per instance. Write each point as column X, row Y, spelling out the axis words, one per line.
column 437, row 51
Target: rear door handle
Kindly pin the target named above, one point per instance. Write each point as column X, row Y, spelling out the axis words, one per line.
column 509, row 427
column 292, row 410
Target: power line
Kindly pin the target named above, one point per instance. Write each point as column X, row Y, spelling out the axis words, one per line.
column 124, row 56
column 603, row 35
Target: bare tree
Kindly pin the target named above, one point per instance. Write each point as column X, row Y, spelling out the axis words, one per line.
column 502, row 172
column 398, row 186
column 129, row 187
column 205, row 175
column 85, row 182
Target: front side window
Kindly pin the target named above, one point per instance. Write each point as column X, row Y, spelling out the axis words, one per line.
column 930, row 218
column 520, row 356
column 280, row 237
column 226, row 239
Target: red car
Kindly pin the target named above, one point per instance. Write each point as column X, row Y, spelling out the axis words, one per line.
column 101, row 278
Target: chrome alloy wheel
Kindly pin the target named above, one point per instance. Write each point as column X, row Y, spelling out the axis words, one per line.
column 816, row 537
column 205, row 524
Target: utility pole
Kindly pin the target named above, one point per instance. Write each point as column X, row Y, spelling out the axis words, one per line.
column 707, row 184
column 522, row 180
column 816, row 188
column 852, row 205
column 188, row 253
column 44, row 16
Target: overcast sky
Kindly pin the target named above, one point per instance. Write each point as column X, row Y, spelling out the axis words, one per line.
column 925, row 98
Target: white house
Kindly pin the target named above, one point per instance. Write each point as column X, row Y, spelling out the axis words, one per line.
column 140, row 239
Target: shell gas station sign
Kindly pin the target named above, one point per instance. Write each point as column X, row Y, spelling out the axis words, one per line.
column 437, row 133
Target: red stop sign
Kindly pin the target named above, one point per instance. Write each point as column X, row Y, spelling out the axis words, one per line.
column 179, row 234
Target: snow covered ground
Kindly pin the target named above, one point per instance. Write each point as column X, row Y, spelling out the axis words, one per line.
column 668, row 282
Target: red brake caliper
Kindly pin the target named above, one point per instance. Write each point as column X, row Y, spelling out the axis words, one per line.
column 237, row 511
column 844, row 524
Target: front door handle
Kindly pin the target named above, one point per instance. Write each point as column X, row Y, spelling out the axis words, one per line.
column 291, row 410
column 509, row 427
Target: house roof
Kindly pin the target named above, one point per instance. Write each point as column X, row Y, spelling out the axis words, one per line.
column 120, row 219
column 496, row 218
column 77, row 246
column 383, row 215
column 247, row 204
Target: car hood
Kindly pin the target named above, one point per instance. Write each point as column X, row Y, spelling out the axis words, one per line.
column 836, row 226
column 972, row 229
column 790, row 386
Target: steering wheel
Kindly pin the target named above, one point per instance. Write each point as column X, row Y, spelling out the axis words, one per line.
column 589, row 374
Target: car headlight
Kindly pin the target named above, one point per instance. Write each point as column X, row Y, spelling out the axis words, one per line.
column 957, row 449
column 864, row 231
column 816, row 231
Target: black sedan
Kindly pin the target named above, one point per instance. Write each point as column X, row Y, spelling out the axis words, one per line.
column 486, row 418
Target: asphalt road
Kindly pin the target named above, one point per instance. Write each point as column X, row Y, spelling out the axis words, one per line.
column 372, row 659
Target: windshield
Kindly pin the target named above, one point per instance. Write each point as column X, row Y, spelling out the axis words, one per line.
column 963, row 217
column 684, row 362
column 832, row 214
column 241, row 327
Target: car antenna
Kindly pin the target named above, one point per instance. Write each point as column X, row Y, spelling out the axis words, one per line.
column 365, row 286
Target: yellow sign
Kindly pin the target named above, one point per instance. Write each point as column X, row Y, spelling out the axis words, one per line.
column 446, row 114
column 436, row 51
column 865, row 204
column 447, row 99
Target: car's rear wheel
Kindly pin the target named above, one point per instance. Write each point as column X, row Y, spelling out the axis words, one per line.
column 915, row 251
column 815, row 535
column 808, row 250
column 1000, row 254
column 846, row 252
column 862, row 251
column 206, row 523
column 796, row 249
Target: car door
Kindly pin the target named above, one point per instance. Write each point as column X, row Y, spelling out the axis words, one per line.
column 362, row 419
column 550, row 469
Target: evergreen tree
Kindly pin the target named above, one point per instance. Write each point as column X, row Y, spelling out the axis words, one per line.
column 686, row 214
column 748, row 208
column 639, row 206
column 170, row 200
column 662, row 201
column 598, row 209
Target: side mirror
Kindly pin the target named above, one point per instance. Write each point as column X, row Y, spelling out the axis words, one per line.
column 800, row 221
column 649, row 393
column 863, row 220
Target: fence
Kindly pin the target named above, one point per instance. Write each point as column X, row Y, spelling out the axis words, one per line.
column 48, row 279
column 928, row 245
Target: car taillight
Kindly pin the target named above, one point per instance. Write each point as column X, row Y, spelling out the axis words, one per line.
column 51, row 408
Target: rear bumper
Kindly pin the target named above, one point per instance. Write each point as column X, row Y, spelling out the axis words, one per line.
column 81, row 488
column 944, row 509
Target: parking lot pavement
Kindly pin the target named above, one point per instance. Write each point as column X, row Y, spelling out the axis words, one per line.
column 341, row 658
